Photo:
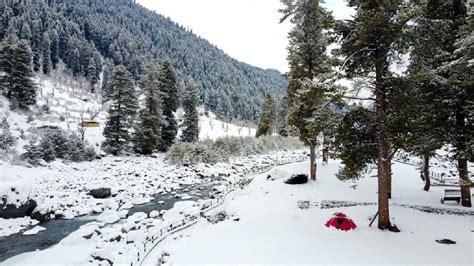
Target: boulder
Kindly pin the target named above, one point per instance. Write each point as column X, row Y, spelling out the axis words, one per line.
column 10, row 211
column 41, row 215
column 297, row 179
column 100, row 193
column 217, row 218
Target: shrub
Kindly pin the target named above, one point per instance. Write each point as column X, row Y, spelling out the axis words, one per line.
column 221, row 150
column 45, row 108
column 56, row 144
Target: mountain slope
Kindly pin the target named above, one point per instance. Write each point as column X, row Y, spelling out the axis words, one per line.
column 112, row 32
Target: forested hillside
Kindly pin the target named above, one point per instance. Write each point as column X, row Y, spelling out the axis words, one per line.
column 91, row 36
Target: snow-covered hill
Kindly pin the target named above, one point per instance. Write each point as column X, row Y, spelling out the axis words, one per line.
column 66, row 103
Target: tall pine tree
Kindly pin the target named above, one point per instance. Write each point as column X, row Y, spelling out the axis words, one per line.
column 17, row 81
column 46, row 46
column 169, row 91
column 36, row 44
column 369, row 43
column 123, row 106
column 458, row 97
column 148, row 131
column 282, row 119
column 54, row 48
column 266, row 124
column 191, row 116
column 310, row 89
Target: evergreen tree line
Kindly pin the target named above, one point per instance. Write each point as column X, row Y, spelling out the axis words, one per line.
column 152, row 128
column 427, row 107
column 92, row 37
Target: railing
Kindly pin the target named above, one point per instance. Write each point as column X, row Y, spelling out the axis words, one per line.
column 173, row 227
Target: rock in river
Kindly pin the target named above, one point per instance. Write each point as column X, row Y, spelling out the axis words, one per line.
column 8, row 211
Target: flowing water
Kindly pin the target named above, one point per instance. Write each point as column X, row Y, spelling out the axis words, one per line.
column 56, row 230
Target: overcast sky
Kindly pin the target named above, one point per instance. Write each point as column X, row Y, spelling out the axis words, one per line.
column 247, row 30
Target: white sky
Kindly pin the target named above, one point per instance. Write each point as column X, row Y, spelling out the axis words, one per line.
column 247, row 30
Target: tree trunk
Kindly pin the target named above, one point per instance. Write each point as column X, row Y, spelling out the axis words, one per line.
column 383, row 162
column 325, row 155
column 464, row 183
column 312, row 159
column 426, row 172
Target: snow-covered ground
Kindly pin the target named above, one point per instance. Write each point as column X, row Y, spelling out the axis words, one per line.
column 266, row 227
column 443, row 168
column 63, row 189
column 115, row 236
column 212, row 128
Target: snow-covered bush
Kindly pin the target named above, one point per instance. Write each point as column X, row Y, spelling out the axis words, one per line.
column 221, row 150
column 56, row 144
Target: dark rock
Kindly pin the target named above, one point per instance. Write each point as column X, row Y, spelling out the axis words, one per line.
column 219, row 217
column 297, row 180
column 393, row 229
column 10, row 211
column 446, row 241
column 102, row 259
column 100, row 193
column 42, row 217
column 303, row 204
column 88, row 236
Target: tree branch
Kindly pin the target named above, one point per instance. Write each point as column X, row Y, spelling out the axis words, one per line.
column 358, row 98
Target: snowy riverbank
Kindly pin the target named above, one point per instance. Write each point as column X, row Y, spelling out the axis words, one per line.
column 267, row 227
column 117, row 237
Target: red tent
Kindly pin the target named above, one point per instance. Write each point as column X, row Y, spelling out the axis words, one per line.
column 341, row 222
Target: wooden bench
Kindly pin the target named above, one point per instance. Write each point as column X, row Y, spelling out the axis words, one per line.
column 451, row 195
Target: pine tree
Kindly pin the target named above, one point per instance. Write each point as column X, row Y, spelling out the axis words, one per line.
column 5, row 21
column 32, row 153
column 25, row 32
column 91, row 73
column 458, row 98
column 266, row 124
column 368, row 44
column 15, row 59
column 54, row 48
column 148, row 132
column 24, row 87
column 46, row 46
column 282, row 119
column 123, row 106
column 98, row 65
column 191, row 116
column 169, row 90
column 414, row 100
column 46, row 147
column 7, row 140
column 75, row 62
column 6, row 64
column 108, row 67
column 36, row 45
column 310, row 88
